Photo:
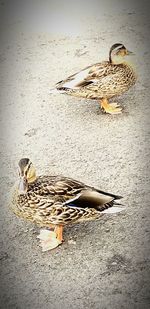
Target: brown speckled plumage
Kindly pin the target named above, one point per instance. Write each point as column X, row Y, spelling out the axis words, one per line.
column 103, row 80
column 109, row 80
column 56, row 201
column 46, row 201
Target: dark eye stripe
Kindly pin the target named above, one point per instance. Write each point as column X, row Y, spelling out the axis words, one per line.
column 119, row 48
column 28, row 168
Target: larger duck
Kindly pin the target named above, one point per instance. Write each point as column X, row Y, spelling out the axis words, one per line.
column 56, row 201
column 103, row 80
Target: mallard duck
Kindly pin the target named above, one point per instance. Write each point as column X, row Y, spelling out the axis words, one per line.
column 56, row 201
column 103, row 80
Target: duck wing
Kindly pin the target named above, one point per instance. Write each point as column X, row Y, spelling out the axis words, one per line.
column 67, row 191
column 89, row 75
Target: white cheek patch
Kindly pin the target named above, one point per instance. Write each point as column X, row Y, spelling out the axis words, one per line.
column 79, row 77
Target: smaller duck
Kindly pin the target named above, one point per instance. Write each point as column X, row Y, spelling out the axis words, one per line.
column 56, row 201
column 103, row 80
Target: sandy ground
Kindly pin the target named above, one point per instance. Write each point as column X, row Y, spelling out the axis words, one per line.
column 108, row 265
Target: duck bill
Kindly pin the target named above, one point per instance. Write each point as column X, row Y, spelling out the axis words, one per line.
column 23, row 185
column 130, row 53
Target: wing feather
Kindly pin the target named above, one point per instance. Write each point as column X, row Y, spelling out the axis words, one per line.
column 66, row 191
column 89, row 75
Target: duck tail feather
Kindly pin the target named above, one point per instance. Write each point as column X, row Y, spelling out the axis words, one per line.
column 113, row 210
column 55, row 91
column 116, row 197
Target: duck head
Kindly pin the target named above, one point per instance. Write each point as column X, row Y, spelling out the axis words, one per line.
column 118, row 52
column 27, row 174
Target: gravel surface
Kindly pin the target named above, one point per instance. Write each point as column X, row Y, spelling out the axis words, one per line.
column 102, row 264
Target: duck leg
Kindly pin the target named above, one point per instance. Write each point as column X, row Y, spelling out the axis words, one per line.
column 110, row 108
column 50, row 239
column 59, row 232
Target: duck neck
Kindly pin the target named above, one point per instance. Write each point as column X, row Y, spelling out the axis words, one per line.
column 32, row 179
column 110, row 56
column 117, row 59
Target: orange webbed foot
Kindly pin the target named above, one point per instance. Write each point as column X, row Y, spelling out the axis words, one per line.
column 110, row 108
column 48, row 240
